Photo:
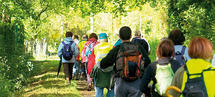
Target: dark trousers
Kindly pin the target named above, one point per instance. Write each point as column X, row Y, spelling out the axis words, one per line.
column 127, row 89
column 68, row 70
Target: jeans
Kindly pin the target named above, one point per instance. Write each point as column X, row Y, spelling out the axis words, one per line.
column 99, row 92
column 76, row 68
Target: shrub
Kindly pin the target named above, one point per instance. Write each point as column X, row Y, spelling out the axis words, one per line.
column 5, row 86
column 15, row 67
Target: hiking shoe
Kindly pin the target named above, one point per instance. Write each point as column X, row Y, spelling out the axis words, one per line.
column 68, row 81
column 89, row 88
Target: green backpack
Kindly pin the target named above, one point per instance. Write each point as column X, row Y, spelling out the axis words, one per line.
column 164, row 76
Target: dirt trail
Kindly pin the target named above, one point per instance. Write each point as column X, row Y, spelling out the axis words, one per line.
column 82, row 88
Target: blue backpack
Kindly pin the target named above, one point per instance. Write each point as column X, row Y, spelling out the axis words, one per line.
column 179, row 56
column 67, row 51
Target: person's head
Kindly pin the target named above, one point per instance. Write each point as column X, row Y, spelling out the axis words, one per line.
column 200, row 48
column 68, row 34
column 125, row 33
column 103, row 37
column 93, row 35
column 137, row 34
column 177, row 37
column 84, row 37
column 76, row 37
column 165, row 49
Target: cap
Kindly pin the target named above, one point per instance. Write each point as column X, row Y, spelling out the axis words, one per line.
column 102, row 36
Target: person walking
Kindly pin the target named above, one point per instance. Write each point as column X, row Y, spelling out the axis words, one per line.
column 196, row 77
column 161, row 72
column 130, row 60
column 85, row 55
column 81, row 45
column 139, row 40
column 76, row 67
column 102, row 79
column 181, row 52
column 68, row 51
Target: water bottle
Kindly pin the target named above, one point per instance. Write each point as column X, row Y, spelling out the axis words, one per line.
column 213, row 61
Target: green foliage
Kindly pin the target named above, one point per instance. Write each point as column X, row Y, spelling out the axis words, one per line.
column 153, row 45
column 5, row 86
column 14, row 64
column 194, row 17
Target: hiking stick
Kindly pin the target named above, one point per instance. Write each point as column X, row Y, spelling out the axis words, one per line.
column 174, row 88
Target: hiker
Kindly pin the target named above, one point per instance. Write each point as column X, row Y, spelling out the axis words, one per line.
column 76, row 67
column 118, row 42
column 68, row 51
column 127, row 79
column 189, row 79
column 161, row 72
column 86, row 53
column 81, row 45
column 181, row 52
column 139, row 40
column 102, row 79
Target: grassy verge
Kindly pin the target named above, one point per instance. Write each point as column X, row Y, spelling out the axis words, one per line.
column 46, row 83
column 153, row 45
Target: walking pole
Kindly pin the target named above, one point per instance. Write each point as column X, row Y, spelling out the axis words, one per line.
column 59, row 66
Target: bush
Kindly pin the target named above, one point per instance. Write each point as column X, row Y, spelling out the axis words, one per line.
column 15, row 67
column 5, row 86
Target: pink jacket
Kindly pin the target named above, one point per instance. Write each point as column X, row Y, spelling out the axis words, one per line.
column 87, row 49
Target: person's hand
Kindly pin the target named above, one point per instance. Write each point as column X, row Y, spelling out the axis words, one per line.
column 143, row 95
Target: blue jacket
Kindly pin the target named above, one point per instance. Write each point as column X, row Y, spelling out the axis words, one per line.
column 74, row 47
column 179, row 48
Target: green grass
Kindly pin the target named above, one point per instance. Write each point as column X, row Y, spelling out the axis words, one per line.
column 153, row 45
column 46, row 83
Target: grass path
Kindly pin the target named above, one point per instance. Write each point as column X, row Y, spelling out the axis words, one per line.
column 46, row 84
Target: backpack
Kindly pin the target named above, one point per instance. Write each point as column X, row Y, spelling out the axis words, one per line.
column 129, row 64
column 179, row 56
column 67, row 51
column 195, row 87
column 141, row 42
column 164, row 76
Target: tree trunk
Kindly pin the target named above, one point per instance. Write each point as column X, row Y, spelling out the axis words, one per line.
column 91, row 23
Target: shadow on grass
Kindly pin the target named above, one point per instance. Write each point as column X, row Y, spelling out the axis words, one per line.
column 45, row 83
column 48, row 85
column 55, row 95
column 45, row 76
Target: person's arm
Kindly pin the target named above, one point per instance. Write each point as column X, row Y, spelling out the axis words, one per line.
column 147, row 61
column 59, row 51
column 110, row 59
column 149, row 49
column 186, row 55
column 177, row 81
column 147, row 77
column 75, row 49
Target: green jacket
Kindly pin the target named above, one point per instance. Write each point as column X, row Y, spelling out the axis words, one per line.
column 102, row 79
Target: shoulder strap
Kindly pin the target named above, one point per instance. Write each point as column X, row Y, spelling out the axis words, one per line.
column 188, row 74
column 63, row 43
column 183, row 50
column 70, row 43
column 209, row 69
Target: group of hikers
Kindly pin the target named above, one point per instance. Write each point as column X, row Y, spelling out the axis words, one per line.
column 125, row 69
